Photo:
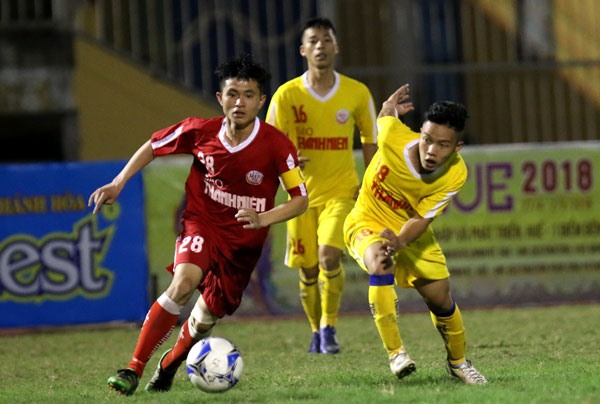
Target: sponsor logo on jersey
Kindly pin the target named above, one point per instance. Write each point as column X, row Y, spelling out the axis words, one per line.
column 323, row 143
column 342, row 116
column 217, row 181
column 254, row 177
column 363, row 234
column 233, row 200
column 384, row 196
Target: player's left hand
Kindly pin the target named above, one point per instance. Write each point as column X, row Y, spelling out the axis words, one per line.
column 250, row 216
column 392, row 244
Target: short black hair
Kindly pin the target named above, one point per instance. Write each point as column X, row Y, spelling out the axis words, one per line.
column 317, row 22
column 243, row 68
column 449, row 113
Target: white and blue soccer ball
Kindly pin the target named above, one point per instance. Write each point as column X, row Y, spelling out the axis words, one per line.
column 214, row 365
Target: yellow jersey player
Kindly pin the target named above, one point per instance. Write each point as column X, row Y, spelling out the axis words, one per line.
column 319, row 111
column 410, row 182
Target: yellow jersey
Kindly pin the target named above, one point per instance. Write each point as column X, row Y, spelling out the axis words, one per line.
column 393, row 190
column 322, row 128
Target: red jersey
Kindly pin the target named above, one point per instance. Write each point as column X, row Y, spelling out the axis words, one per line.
column 222, row 180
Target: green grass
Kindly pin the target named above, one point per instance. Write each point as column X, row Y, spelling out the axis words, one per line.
column 529, row 355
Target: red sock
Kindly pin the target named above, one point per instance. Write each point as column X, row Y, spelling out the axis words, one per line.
column 181, row 349
column 156, row 329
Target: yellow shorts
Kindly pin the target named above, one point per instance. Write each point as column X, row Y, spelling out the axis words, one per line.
column 320, row 225
column 421, row 259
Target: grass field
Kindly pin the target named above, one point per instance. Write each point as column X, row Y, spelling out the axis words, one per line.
column 529, row 355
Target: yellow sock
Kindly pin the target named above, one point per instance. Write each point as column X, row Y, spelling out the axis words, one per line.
column 450, row 327
column 383, row 301
column 331, row 284
column 311, row 301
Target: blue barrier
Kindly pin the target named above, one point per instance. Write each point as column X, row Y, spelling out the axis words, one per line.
column 59, row 263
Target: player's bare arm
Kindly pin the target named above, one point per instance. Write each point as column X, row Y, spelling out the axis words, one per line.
column 295, row 206
column 108, row 194
column 411, row 231
column 368, row 151
column 302, row 160
column 396, row 105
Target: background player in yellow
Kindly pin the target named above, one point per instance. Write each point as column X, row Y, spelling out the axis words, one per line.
column 410, row 182
column 319, row 111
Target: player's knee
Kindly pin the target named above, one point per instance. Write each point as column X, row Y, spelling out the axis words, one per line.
column 329, row 263
column 184, row 283
column 329, row 258
column 181, row 290
column 201, row 319
column 381, row 267
column 378, row 262
column 310, row 273
column 436, row 294
column 439, row 305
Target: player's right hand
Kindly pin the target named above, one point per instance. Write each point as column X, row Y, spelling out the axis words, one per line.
column 105, row 195
column 302, row 160
column 397, row 104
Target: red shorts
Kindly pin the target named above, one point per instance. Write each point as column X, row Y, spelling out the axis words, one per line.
column 226, row 269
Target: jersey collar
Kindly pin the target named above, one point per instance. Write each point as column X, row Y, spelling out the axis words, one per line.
column 329, row 94
column 245, row 143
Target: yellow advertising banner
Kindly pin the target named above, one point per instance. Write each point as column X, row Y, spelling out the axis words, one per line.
column 525, row 229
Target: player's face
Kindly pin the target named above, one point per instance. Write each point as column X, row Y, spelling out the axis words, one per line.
column 241, row 100
column 436, row 144
column 319, row 47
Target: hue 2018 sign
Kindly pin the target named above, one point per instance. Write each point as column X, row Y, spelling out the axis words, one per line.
column 526, row 226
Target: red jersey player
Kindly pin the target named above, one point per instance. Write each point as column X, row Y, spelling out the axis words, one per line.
column 238, row 164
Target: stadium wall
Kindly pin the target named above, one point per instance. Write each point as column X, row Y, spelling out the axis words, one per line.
column 120, row 104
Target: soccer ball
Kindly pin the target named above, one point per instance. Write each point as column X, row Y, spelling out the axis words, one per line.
column 214, row 365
